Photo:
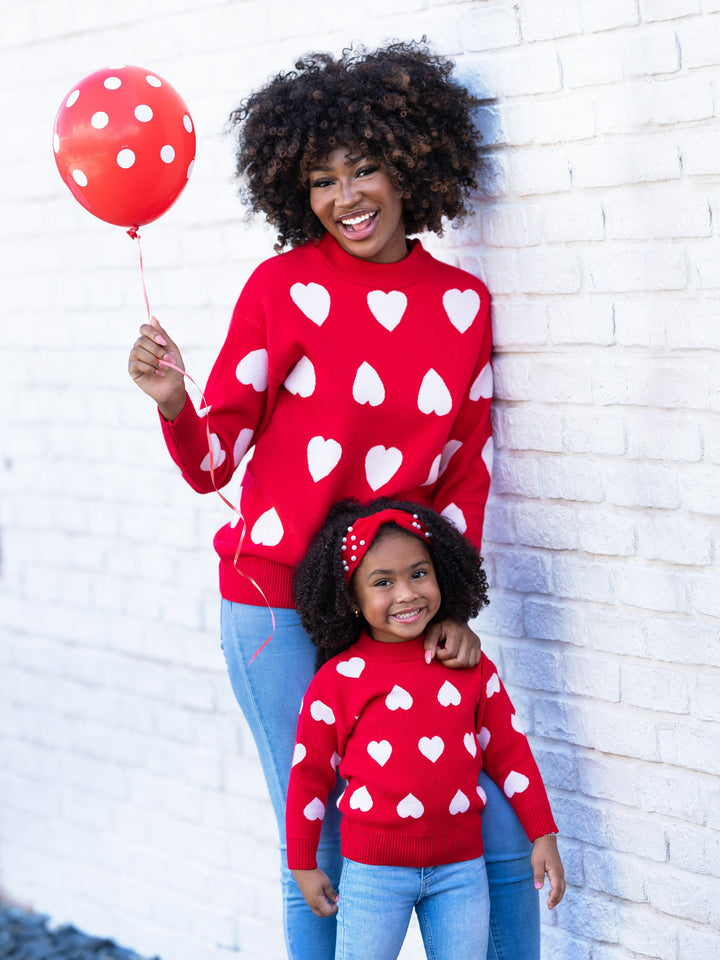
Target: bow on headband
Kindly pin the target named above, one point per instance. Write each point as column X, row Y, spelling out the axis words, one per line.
column 362, row 533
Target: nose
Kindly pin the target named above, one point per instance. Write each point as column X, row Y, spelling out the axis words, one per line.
column 405, row 591
column 347, row 192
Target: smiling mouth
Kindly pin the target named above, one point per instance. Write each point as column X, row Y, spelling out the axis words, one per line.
column 408, row 616
column 359, row 223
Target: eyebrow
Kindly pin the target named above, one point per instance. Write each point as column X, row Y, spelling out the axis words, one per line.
column 349, row 162
column 379, row 572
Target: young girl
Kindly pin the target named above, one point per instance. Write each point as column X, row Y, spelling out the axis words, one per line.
column 408, row 739
column 355, row 365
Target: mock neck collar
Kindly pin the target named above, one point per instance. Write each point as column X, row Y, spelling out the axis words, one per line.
column 402, row 273
column 398, row 652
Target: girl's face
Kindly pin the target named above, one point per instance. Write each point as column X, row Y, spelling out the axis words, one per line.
column 354, row 199
column 395, row 588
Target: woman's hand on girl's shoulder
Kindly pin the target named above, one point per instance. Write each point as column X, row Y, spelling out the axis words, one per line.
column 454, row 644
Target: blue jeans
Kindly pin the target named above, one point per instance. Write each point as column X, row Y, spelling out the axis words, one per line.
column 451, row 901
column 269, row 692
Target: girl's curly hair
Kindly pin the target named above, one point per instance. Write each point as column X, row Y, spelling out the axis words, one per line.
column 324, row 601
column 398, row 105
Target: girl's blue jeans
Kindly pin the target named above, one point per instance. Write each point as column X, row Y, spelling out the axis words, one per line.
column 269, row 692
column 376, row 904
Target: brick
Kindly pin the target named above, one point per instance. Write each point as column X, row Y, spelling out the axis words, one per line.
column 674, row 539
column 638, row 484
column 539, row 170
column 518, row 322
column 697, row 39
column 608, row 16
column 592, row 676
column 542, row 24
column 521, row 428
column 561, row 380
column 565, row 478
column 515, row 475
column 622, row 877
column 594, row 431
column 650, row 588
column 526, row 572
column 599, row 532
column 580, row 579
column 625, row 160
column 646, row 685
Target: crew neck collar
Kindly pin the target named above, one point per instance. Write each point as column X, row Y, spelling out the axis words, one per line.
column 403, row 650
column 402, row 273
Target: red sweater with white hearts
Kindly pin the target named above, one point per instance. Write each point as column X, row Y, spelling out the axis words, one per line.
column 349, row 379
column 410, row 739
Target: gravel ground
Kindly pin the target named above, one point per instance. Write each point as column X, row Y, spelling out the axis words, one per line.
column 26, row 936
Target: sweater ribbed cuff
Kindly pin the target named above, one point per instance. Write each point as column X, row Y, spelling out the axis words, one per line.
column 301, row 854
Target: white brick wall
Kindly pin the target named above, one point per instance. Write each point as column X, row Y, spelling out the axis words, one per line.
column 131, row 800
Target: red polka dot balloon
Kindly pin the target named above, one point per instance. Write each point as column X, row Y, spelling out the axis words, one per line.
column 124, row 144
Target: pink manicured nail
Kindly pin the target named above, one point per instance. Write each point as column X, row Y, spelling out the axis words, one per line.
column 428, row 656
column 161, row 340
column 538, row 886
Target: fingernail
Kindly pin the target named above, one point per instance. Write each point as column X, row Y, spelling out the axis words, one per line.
column 538, row 886
column 428, row 656
column 161, row 340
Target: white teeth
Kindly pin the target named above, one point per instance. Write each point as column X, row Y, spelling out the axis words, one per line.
column 354, row 221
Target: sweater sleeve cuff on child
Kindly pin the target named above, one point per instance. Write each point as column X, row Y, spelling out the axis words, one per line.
column 537, row 821
column 301, row 854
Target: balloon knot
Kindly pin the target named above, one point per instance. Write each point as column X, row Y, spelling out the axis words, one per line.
column 133, row 232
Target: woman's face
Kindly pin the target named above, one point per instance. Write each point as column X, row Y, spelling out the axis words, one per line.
column 354, row 199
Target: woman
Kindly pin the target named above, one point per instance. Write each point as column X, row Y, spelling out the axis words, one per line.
column 355, row 364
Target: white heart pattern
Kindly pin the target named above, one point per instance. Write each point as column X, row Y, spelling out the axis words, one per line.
column 267, row 529
column 387, row 308
column 368, row 387
column 431, row 747
column 470, row 744
column 380, row 751
column 335, row 760
column 242, row 444
column 361, row 800
column 481, row 793
column 398, row 699
column 515, row 783
column 218, row 454
column 461, row 306
column 459, row 803
column 351, row 668
column 410, row 806
column 448, row 695
column 434, row 471
column 301, row 380
column 434, row 396
column 313, row 299
column 451, row 447
column 381, row 465
column 321, row 712
column 322, row 457
column 515, row 721
column 493, row 686
column 482, row 387
column 488, row 453
column 454, row 514
column 299, row 754
column 253, row 370
column 483, row 737
column 315, row 810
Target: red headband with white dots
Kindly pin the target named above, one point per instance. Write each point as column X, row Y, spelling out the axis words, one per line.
column 360, row 536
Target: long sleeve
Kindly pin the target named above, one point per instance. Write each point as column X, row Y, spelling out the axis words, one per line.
column 312, row 777
column 463, row 484
column 507, row 757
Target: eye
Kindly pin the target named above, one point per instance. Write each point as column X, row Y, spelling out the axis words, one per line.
column 366, row 171
column 419, row 574
column 384, row 582
column 320, row 182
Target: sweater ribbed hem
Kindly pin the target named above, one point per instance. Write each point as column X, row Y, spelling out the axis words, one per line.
column 301, row 854
column 275, row 580
column 403, row 849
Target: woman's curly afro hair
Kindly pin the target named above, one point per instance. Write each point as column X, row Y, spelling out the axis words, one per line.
column 398, row 105
column 325, row 603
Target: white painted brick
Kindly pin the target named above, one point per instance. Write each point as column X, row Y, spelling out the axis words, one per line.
column 549, row 620
column 699, row 489
column 622, row 877
column 597, row 533
column 565, row 478
column 704, row 697
column 626, row 160
column 660, row 436
column 519, row 322
column 592, row 676
column 696, row 739
column 552, row 527
column 698, row 150
column 659, row 213
column 695, row 942
column 594, row 431
column 540, row 24
column 539, row 170
column 641, row 484
column 526, row 572
column 652, row 588
column 506, row 225
column 697, row 39
column 691, row 643
column 609, row 15
column 677, row 540
column 646, row 685
column 522, row 428
column 581, row 579
column 624, row 107
column 620, row 268
column 590, row 59
column 704, row 597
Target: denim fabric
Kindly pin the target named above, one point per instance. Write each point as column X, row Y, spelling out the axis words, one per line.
column 269, row 692
column 376, row 904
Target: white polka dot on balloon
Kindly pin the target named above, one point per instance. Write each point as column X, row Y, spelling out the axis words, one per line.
column 154, row 81
column 167, row 154
column 125, row 159
column 56, row 142
column 72, row 99
column 190, row 168
column 112, row 83
column 187, row 123
column 143, row 113
column 79, row 177
column 99, row 120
